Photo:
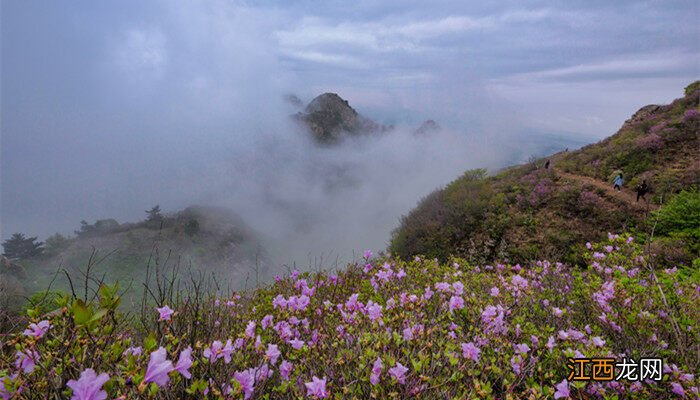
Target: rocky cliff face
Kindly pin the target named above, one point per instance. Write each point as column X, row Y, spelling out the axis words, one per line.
column 330, row 118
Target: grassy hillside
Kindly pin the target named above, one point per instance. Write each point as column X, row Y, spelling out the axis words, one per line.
column 382, row 329
column 202, row 238
column 528, row 211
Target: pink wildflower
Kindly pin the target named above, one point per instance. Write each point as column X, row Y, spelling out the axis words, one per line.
column 37, row 330
column 272, row 353
column 26, row 361
column 285, row 369
column 562, row 390
column 399, row 373
column 376, row 371
column 296, row 344
column 89, row 386
column 158, row 368
column 470, row 351
column 184, row 363
column 165, row 313
column 456, row 303
column 247, row 381
column 317, row 387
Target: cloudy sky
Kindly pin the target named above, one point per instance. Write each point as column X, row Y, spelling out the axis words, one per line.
column 110, row 107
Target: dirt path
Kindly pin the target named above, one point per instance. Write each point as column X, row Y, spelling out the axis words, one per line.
column 624, row 195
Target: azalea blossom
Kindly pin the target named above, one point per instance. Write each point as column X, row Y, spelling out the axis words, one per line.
column 250, row 329
column 217, row 350
column 247, row 381
column 456, row 303
column 165, row 313
column 374, row 311
column 376, row 371
column 562, row 390
column 399, row 373
column 470, row 351
column 296, row 343
column 272, row 353
column 285, row 369
column 37, row 330
column 317, row 387
column 89, row 386
column 184, row 363
column 494, row 291
column 158, row 368
column 26, row 361
column 267, row 321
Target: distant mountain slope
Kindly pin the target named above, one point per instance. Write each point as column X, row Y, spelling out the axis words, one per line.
column 528, row 211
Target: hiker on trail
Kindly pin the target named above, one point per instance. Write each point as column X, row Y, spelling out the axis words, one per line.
column 618, row 182
column 641, row 190
column 546, row 165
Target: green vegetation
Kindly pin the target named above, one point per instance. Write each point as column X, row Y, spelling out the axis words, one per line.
column 527, row 212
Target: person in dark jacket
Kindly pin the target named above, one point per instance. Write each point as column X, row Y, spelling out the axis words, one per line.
column 641, row 190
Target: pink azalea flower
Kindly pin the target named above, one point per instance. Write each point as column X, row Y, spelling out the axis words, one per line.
column 376, row 371
column 89, row 386
column 273, row 353
column 165, row 313
column 250, row 329
column 562, row 390
column 317, row 387
column 442, row 287
column 37, row 330
column 368, row 254
column 296, row 344
column 522, row 348
column 470, row 351
column 184, row 363
column 285, row 369
column 456, row 303
column 158, row 368
column 598, row 342
column 26, row 361
column 677, row 388
column 247, row 381
column 458, row 288
column 279, row 301
column 494, row 291
column 399, row 373
column 407, row 334
column 374, row 311
column 557, row 311
column 267, row 321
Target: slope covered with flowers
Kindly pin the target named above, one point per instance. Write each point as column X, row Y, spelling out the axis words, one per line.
column 379, row 329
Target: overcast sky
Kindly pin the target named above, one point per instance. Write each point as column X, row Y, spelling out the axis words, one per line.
column 110, row 107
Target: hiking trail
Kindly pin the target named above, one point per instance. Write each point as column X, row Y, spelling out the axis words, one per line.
column 624, row 195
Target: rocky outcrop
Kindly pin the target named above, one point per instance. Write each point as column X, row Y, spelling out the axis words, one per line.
column 330, row 118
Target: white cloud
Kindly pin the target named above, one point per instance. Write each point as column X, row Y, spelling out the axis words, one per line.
column 142, row 51
column 657, row 63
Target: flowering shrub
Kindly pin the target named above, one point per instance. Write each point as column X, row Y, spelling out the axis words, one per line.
column 650, row 142
column 380, row 329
